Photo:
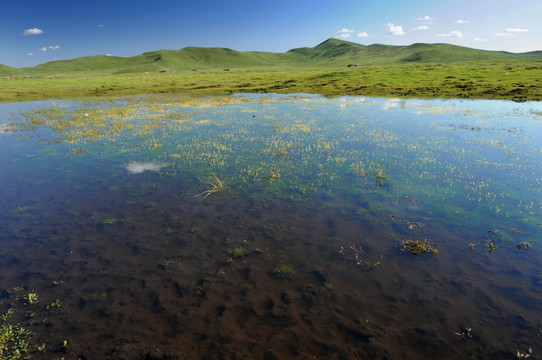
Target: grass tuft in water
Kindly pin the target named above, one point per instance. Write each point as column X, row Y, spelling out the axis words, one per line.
column 215, row 186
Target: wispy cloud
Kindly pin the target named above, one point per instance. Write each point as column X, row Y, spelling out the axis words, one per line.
column 101, row 25
column 479, row 39
column 30, row 54
column 511, row 32
column 426, row 18
column 345, row 33
column 462, row 21
column 395, row 29
column 33, row 31
column 452, row 34
column 421, row 27
column 515, row 30
column 362, row 34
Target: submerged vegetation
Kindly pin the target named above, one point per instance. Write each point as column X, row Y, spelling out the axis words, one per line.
column 296, row 154
column 283, row 272
column 19, row 313
column 321, row 193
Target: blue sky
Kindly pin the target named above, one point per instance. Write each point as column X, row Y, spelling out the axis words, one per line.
column 36, row 31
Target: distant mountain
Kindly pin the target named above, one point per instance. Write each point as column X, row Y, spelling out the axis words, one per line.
column 330, row 52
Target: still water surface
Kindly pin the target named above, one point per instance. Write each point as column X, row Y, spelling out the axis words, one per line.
column 267, row 226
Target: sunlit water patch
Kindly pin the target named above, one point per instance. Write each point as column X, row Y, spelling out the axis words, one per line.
column 271, row 226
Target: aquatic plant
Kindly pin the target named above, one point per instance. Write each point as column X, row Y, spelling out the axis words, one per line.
column 14, row 342
column 55, row 304
column 354, row 251
column 272, row 175
column 414, row 225
column 237, row 252
column 110, row 221
column 216, row 185
column 77, row 151
column 283, row 272
column 525, row 355
column 32, row 298
column 465, row 334
column 418, row 247
column 490, row 245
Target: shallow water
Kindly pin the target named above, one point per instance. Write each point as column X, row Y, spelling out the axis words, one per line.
column 298, row 243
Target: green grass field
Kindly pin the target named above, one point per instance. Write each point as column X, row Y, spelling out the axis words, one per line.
column 419, row 70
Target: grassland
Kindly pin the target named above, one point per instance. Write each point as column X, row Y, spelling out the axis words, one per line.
column 419, row 70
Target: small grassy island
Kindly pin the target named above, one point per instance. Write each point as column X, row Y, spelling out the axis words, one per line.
column 334, row 67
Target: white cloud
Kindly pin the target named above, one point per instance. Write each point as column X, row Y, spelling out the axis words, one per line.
column 426, row 18
column 421, row 27
column 101, row 25
column 395, row 29
column 362, row 34
column 141, row 167
column 345, row 31
column 479, row 39
column 462, row 21
column 515, row 30
column 345, row 36
column 30, row 54
column 453, row 34
column 391, row 103
column 33, row 31
column 503, row 34
column 50, row 47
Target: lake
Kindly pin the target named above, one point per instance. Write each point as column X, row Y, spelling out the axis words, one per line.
column 271, row 227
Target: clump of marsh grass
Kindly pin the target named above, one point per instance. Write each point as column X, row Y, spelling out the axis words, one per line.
column 215, row 186
column 419, row 247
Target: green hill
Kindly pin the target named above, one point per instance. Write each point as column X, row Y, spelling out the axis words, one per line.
column 334, row 50
column 8, row 70
column 330, row 52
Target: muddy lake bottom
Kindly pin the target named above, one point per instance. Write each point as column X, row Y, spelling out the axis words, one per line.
column 140, row 267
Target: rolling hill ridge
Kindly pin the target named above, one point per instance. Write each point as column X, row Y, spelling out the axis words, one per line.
column 330, row 52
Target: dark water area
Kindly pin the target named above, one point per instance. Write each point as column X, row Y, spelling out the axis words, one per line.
column 307, row 239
